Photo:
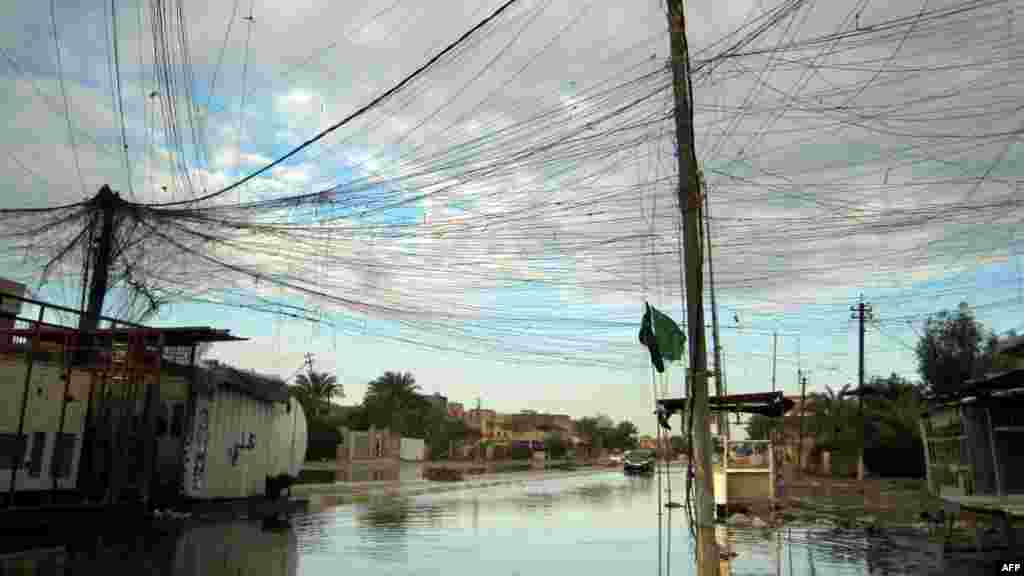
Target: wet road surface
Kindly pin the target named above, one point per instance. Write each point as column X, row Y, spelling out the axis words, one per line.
column 600, row 524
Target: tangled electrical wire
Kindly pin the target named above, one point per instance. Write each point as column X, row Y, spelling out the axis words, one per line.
column 531, row 236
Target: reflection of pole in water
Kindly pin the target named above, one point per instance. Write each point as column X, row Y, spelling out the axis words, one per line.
column 476, row 517
column 778, row 552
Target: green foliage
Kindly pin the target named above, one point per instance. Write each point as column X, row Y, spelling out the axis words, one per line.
column 323, row 440
column 315, row 391
column 678, row 444
column 393, row 401
column 604, row 433
column 316, row 477
column 518, row 452
column 894, row 411
column 555, row 446
column 443, row 433
column 954, row 348
column 759, row 427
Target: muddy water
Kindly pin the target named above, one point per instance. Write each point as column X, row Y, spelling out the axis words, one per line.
column 603, row 524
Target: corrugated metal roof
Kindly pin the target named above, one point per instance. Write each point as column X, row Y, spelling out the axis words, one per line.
column 267, row 388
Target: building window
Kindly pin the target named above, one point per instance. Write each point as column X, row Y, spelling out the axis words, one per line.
column 63, row 453
column 35, row 465
column 178, row 421
column 12, row 451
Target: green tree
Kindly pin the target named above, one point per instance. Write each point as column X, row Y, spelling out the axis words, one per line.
column 443, row 433
column 760, row 427
column 394, row 401
column 315, row 391
column 893, row 409
column 623, row 436
column 555, row 446
column 954, row 348
column 678, row 444
column 835, row 422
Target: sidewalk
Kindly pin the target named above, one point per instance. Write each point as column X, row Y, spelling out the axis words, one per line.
column 348, row 491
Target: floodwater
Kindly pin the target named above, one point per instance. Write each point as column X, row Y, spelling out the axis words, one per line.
column 600, row 524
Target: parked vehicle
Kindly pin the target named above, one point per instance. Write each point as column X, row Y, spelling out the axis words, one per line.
column 639, row 462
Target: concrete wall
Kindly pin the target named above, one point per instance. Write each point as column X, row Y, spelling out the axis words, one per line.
column 412, row 449
column 372, row 444
column 42, row 418
column 750, row 486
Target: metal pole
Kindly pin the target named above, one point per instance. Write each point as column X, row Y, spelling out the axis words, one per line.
column 690, row 206
column 63, row 412
column 24, row 407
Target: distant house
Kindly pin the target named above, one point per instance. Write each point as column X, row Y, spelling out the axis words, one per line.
column 791, row 441
column 456, row 410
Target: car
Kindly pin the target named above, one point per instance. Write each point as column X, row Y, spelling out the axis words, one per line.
column 638, row 462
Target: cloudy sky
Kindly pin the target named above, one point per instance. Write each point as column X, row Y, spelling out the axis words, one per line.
column 873, row 149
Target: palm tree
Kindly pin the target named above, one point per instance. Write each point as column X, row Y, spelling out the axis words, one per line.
column 393, row 399
column 315, row 390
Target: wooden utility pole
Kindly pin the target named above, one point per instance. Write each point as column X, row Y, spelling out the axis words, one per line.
column 105, row 202
column 690, row 204
column 775, row 354
column 723, row 420
column 861, row 312
column 803, row 403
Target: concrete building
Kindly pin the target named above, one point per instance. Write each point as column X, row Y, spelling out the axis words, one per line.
column 481, row 421
column 365, row 455
column 456, row 410
column 122, row 413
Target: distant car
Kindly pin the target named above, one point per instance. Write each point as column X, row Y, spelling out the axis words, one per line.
column 639, row 462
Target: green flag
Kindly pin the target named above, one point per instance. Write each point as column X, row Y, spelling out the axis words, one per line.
column 670, row 338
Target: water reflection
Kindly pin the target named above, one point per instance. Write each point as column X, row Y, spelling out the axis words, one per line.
column 215, row 550
column 599, row 525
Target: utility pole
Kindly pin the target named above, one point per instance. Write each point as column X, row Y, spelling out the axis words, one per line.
column 861, row 312
column 803, row 403
column 690, row 204
column 723, row 420
column 775, row 348
column 105, row 202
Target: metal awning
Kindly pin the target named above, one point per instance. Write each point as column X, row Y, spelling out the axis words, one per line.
column 1004, row 384
column 771, row 404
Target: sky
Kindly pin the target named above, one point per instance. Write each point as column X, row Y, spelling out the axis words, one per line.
column 885, row 167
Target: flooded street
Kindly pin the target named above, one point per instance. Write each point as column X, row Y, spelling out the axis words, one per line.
column 600, row 524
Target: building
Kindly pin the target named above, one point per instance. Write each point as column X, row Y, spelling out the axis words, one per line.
column 365, row 455
column 124, row 414
column 10, row 307
column 456, row 410
column 972, row 439
column 481, row 421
